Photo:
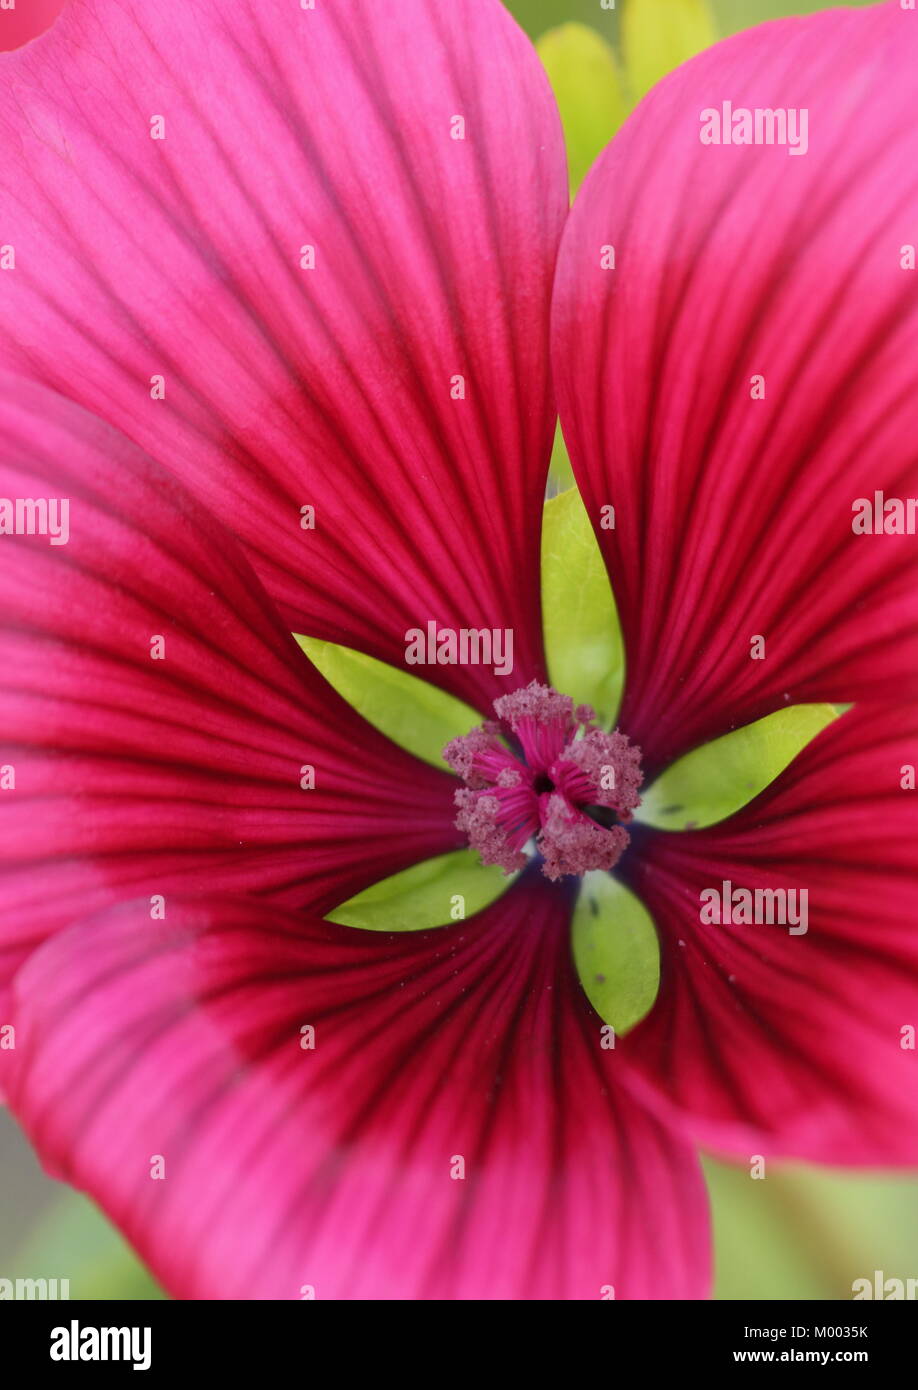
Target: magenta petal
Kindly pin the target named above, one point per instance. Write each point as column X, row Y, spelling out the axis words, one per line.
column 291, row 134
column 134, row 774
column 797, row 1044
column 26, row 20
column 733, row 515
column 338, row 1166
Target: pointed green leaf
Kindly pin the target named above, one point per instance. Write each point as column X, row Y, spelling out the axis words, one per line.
column 441, row 890
column 560, row 472
column 616, row 951
column 714, row 781
column 413, row 713
column 658, row 35
column 582, row 634
column 588, row 87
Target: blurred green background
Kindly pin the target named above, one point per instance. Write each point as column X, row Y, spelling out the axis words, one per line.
column 799, row 1233
column 729, row 15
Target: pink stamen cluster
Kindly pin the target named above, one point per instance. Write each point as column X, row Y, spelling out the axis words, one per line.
column 559, row 787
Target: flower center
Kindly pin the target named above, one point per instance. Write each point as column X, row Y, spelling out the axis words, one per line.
column 544, row 771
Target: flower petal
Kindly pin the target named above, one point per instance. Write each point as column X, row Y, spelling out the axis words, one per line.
column 26, row 21
column 184, row 261
column 338, row 1167
column 123, row 772
column 796, row 1044
column 733, row 515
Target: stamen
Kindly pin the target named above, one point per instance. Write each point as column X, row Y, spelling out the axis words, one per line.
column 571, row 843
column 572, row 779
column 601, row 769
column 490, row 828
column 479, row 757
column 542, row 720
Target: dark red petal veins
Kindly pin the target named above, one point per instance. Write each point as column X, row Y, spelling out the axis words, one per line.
column 304, row 258
column 424, row 1115
column 159, row 729
column 793, row 1034
column 744, row 375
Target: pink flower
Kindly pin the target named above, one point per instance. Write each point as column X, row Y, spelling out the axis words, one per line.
column 25, row 20
column 307, row 259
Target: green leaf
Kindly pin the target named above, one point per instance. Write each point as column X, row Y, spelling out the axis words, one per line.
column 582, row 634
column 431, row 894
column 560, row 472
column 658, row 35
column 616, row 951
column 588, row 87
column 713, row 781
column 74, row 1241
column 413, row 713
